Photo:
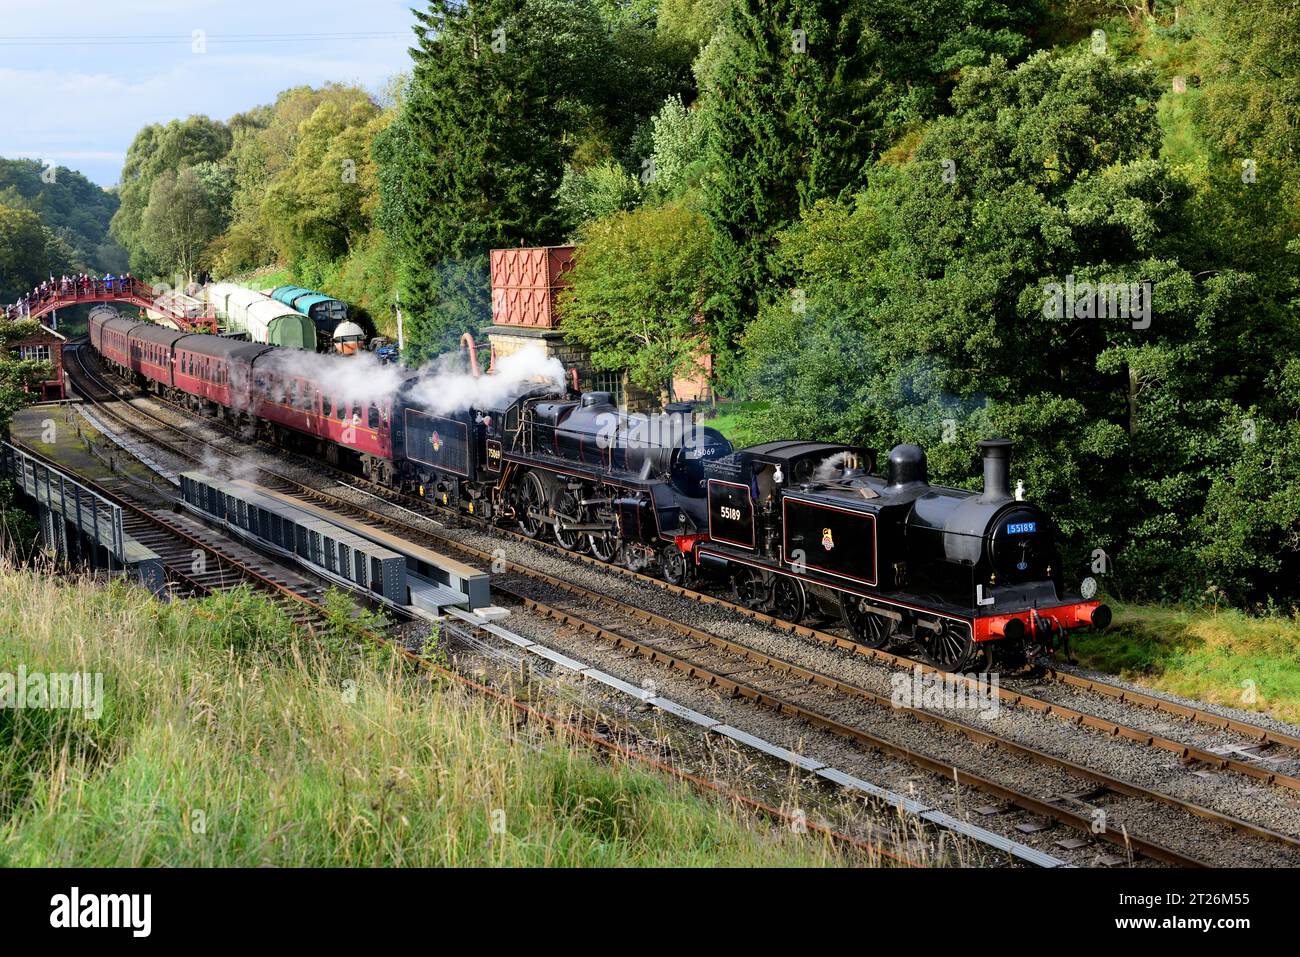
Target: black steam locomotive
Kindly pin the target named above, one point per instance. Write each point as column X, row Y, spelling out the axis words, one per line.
column 576, row 469
column 799, row 528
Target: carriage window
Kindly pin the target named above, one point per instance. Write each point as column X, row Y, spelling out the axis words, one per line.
column 326, row 406
column 374, row 417
column 292, row 394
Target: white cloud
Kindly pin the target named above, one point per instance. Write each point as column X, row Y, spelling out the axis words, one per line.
column 85, row 103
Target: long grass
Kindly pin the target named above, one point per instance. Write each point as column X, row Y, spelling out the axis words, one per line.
column 1217, row 655
column 227, row 739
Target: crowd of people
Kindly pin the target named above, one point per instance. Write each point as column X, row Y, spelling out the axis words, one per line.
column 66, row 287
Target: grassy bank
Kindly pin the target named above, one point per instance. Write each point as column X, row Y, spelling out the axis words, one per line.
column 1219, row 656
column 227, row 739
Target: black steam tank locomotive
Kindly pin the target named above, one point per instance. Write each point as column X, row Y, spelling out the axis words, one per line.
column 803, row 527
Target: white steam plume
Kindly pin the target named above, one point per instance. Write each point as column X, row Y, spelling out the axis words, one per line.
column 360, row 379
column 443, row 389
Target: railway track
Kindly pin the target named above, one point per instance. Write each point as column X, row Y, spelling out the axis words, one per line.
column 177, row 541
column 1252, row 737
column 199, row 562
column 1249, row 755
column 769, row 696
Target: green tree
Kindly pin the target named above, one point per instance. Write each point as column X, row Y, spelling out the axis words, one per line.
column 322, row 203
column 17, row 375
column 679, row 140
column 285, row 141
column 801, row 96
column 691, row 21
column 637, row 291
column 180, row 221
column 476, row 155
column 590, row 194
column 72, row 206
column 502, row 94
column 923, row 313
column 156, row 150
column 793, row 112
column 29, row 253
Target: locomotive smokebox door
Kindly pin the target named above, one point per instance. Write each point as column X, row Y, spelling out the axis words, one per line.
column 731, row 513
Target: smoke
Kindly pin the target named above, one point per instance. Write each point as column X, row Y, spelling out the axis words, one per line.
column 444, row 388
column 244, row 467
column 361, row 379
column 832, row 467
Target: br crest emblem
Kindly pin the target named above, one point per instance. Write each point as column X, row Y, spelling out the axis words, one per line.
column 828, row 540
column 436, row 441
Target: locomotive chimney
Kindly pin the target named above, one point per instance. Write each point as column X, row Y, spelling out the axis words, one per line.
column 997, row 469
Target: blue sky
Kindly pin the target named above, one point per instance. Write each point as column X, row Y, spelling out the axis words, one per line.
column 79, row 78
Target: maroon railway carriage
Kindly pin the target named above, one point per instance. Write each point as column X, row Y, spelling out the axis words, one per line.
column 151, row 349
column 250, row 382
column 110, row 338
column 313, row 408
column 217, row 369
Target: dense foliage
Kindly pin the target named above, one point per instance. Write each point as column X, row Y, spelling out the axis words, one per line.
column 637, row 296
column 504, row 92
column 864, row 212
column 73, row 208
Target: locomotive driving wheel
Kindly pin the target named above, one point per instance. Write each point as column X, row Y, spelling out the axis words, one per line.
column 789, row 602
column 566, row 506
column 604, row 545
column 952, row 648
column 867, row 627
column 530, row 497
column 674, row 564
column 749, row 589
